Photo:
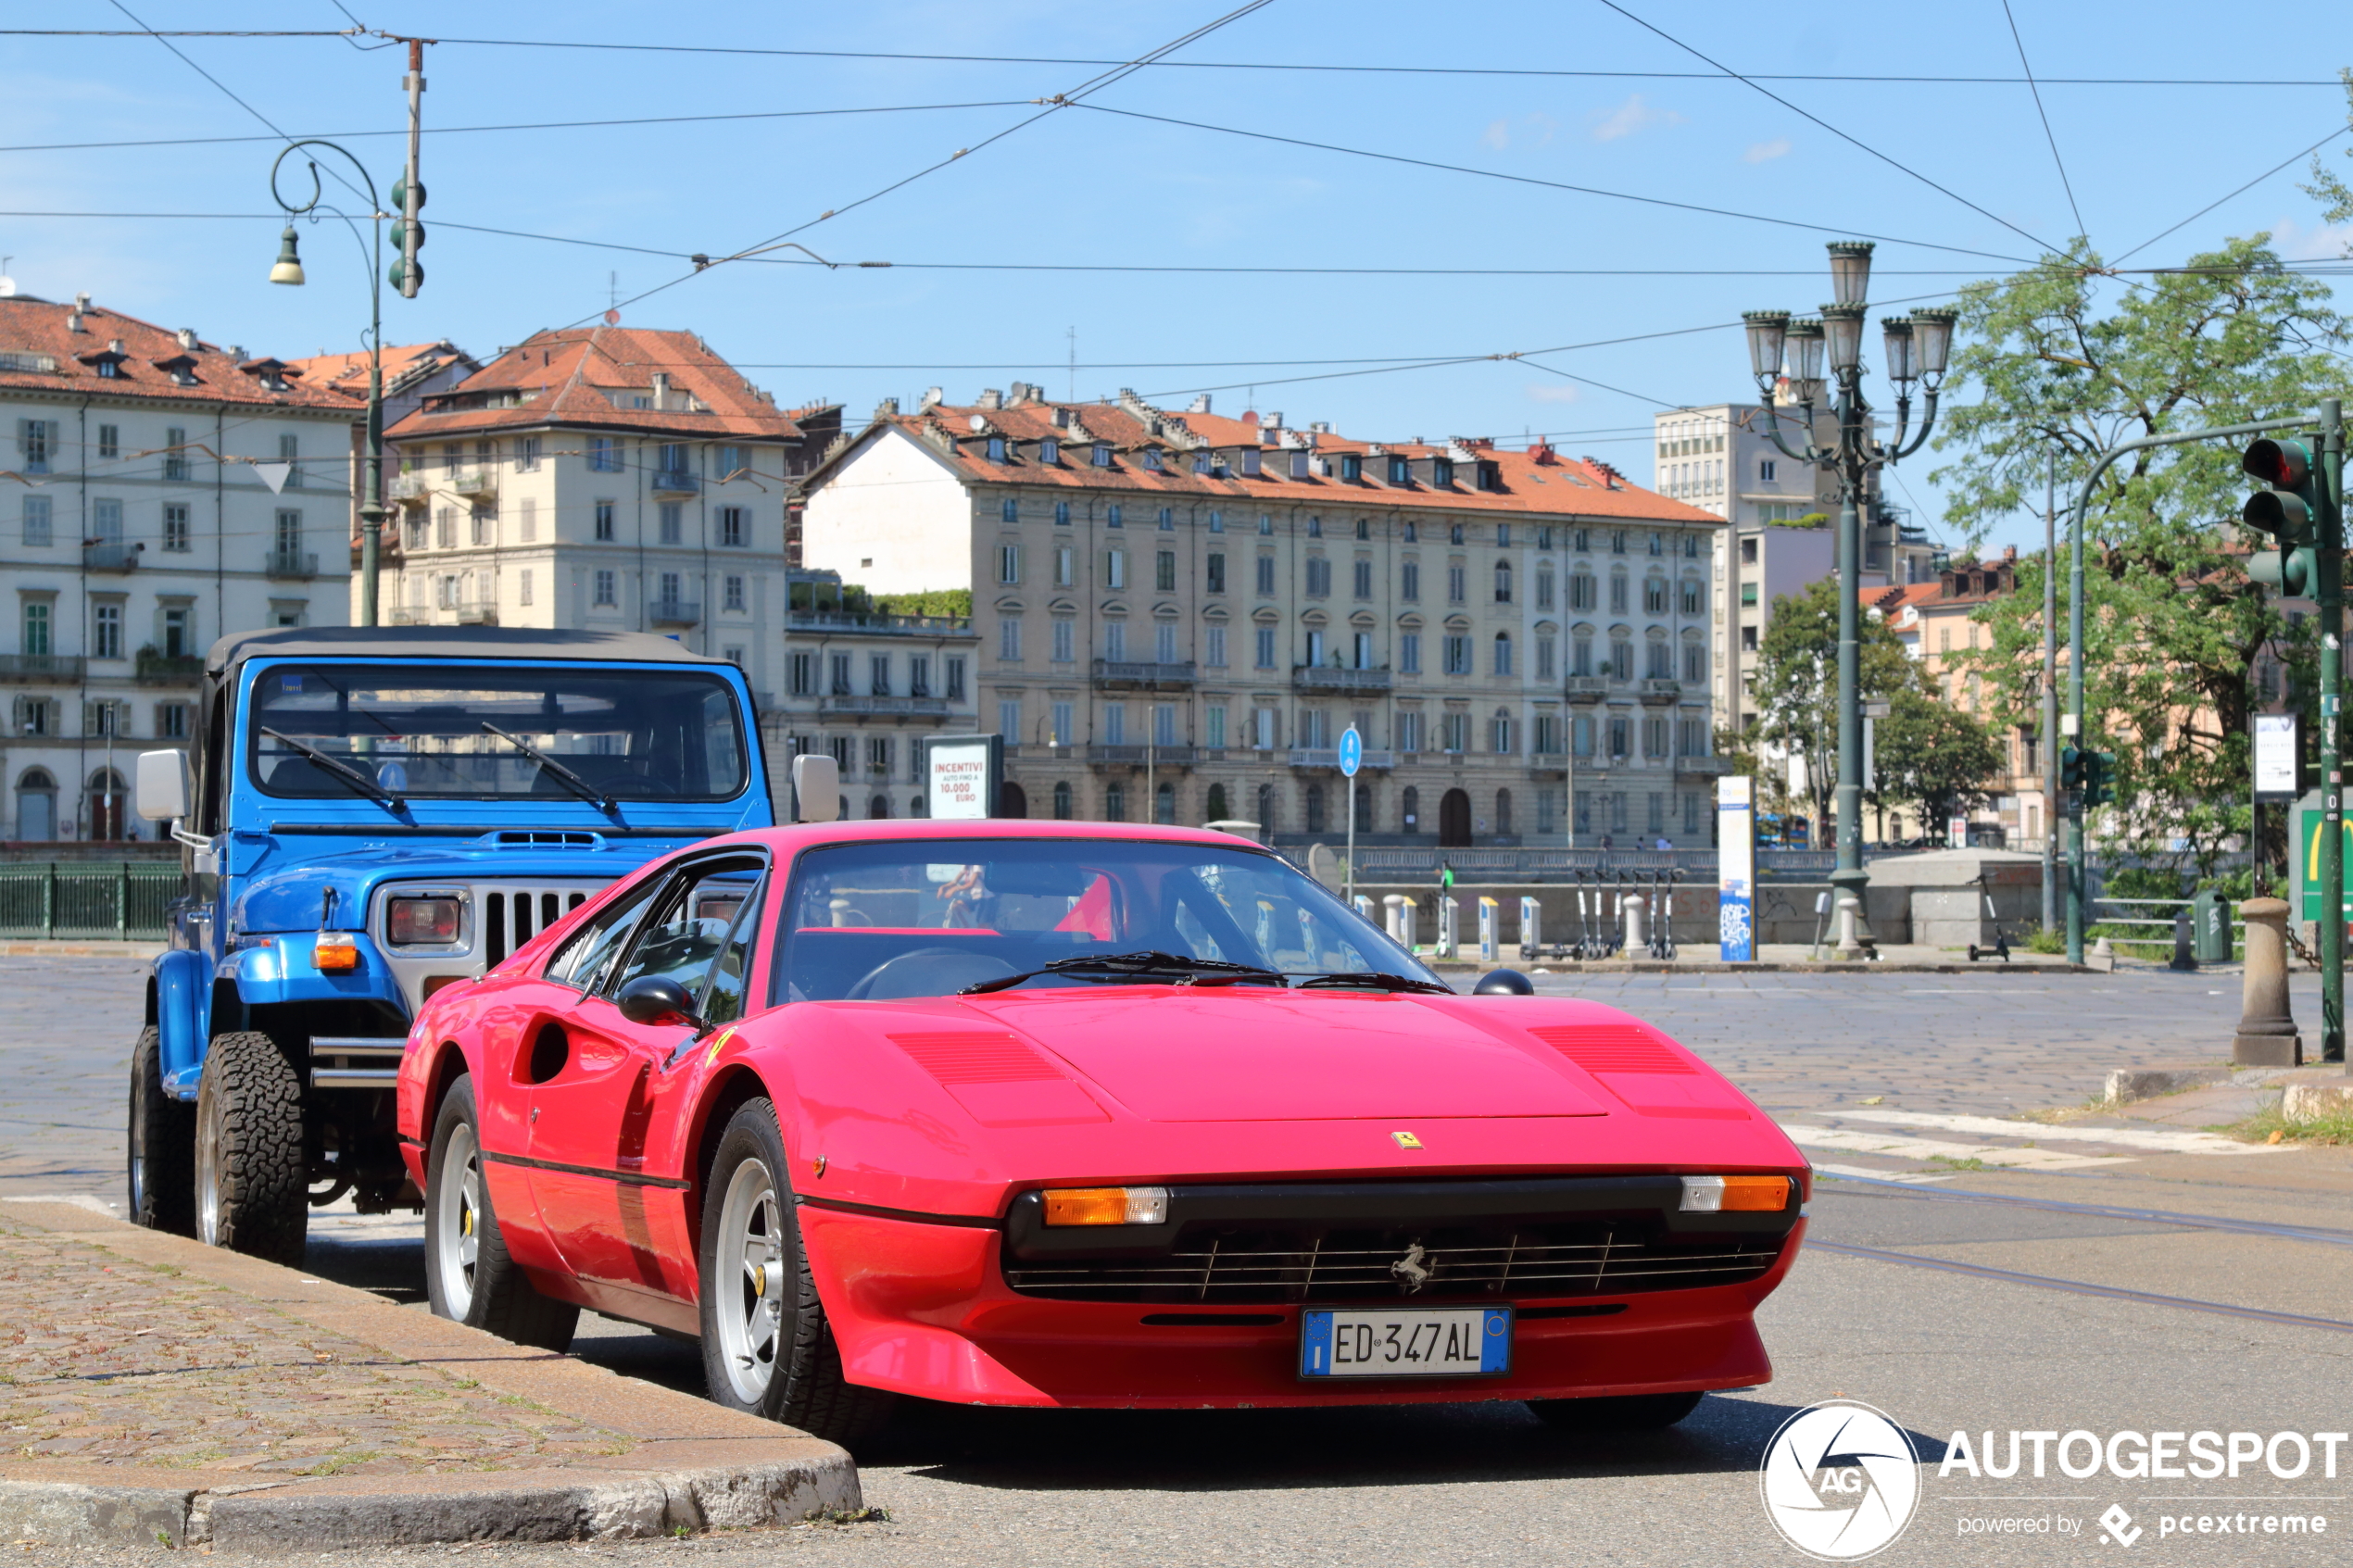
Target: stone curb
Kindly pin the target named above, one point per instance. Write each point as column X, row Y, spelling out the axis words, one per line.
column 2311, row 1102
column 2127, row 1085
column 697, row 1465
column 1657, row 966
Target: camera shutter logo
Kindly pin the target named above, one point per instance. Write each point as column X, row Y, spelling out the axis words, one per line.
column 1840, row 1481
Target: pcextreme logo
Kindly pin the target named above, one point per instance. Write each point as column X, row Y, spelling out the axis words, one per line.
column 1840, row 1481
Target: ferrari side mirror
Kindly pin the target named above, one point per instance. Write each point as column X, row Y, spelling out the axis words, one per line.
column 657, row 1002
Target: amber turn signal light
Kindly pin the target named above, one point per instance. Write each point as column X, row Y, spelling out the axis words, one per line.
column 1106, row 1205
column 335, row 953
column 1725, row 1194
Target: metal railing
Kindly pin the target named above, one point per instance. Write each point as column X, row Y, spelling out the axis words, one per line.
column 40, row 666
column 933, row 707
column 673, row 483
column 1333, row 678
column 94, row 900
column 675, row 612
column 1143, row 673
column 291, row 564
column 109, row 558
column 897, row 625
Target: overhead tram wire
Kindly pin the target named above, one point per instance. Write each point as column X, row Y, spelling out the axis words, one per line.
column 1559, row 185
column 2292, row 157
column 1062, row 100
column 1850, row 141
column 2049, row 135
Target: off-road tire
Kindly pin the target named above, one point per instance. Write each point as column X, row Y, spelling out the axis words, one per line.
column 161, row 1159
column 251, row 1190
column 498, row 1298
column 806, row 1387
column 1623, row 1412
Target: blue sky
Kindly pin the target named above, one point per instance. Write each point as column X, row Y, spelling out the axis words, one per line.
column 1090, row 187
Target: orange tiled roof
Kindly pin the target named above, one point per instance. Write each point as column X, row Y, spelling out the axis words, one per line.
column 40, row 352
column 348, row 374
column 1539, row 481
column 1891, row 601
column 591, row 377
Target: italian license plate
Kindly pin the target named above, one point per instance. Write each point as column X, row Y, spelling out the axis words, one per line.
column 1405, row 1342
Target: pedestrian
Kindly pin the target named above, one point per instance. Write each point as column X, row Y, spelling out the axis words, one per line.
column 1666, row 843
column 1605, row 844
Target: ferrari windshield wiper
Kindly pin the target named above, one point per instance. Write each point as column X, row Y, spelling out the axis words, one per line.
column 554, row 769
column 1373, row 980
column 1128, row 965
column 341, row 772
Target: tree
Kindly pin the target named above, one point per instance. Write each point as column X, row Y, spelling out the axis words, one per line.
column 1934, row 754
column 2062, row 359
column 1797, row 683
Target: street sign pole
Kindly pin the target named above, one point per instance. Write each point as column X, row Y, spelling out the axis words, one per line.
column 1351, row 757
column 2331, row 595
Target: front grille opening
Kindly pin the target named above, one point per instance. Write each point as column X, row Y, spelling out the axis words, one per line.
column 1456, row 1262
column 508, row 919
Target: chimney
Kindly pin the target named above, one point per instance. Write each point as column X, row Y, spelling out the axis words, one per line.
column 1271, row 422
column 82, row 302
column 1540, row 455
column 991, row 398
column 236, row 354
column 187, row 336
column 2009, row 553
column 1321, row 427
column 1062, row 419
column 1200, row 406
column 887, row 410
column 932, row 394
column 114, row 345
column 662, row 389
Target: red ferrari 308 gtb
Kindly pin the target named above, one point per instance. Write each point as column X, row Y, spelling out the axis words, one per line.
column 1069, row 1113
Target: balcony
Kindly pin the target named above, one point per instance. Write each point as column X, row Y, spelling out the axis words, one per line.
column 477, row 614
column 675, row 483
column 480, row 483
column 1703, row 767
column 109, row 558
column 675, row 612
column 153, row 668
column 889, row 625
column 1328, row 756
column 1133, row 755
column 1588, row 688
column 408, row 489
column 1116, row 673
column 290, row 565
column 1655, row 690
column 401, row 616
column 1326, row 678
column 882, row 707
column 41, row 667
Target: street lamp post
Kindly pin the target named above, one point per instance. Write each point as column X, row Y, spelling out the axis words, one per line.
column 1916, row 350
column 288, row 269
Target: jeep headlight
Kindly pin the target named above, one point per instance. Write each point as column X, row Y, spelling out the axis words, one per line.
column 422, row 922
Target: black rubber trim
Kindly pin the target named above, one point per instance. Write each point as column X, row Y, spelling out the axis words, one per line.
column 969, row 1221
column 1212, row 1320
column 1597, row 1310
column 460, row 830
column 626, row 1178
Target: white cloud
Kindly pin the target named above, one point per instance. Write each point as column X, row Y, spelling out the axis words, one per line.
column 1535, row 130
column 2296, row 242
column 1499, row 135
column 1553, row 392
column 1765, row 152
column 1630, row 117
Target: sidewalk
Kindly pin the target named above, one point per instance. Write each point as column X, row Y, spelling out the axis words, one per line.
column 155, row 1391
column 1773, row 958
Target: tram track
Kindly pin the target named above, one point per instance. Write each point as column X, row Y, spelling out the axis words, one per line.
column 2317, row 1234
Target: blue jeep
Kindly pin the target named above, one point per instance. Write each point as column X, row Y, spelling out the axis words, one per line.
column 369, row 814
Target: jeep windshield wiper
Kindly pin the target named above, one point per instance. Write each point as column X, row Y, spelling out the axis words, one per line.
column 554, row 769
column 1373, row 980
column 340, row 770
column 1123, row 966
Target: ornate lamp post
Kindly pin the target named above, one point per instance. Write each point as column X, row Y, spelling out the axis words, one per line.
column 288, row 269
column 1917, row 349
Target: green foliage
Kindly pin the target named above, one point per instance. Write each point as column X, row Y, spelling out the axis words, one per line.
column 1797, row 682
column 2061, row 358
column 932, row 601
column 1811, row 520
column 2046, row 942
column 1928, row 752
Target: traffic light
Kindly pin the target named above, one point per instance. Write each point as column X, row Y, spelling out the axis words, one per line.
column 2099, row 777
column 2071, row 768
column 408, row 273
column 2285, row 511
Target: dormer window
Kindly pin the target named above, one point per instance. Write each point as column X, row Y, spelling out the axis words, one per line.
column 109, row 367
column 1200, row 463
column 1490, row 476
column 1400, row 469
column 1151, row 459
column 1442, row 471
column 1050, row 452
column 1298, row 465
column 1250, row 462
column 108, row 362
column 996, row 448
column 1352, row 467
column 1102, row 454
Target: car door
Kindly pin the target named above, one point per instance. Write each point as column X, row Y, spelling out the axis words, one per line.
column 604, row 1158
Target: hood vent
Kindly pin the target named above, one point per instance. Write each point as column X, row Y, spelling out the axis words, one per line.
column 968, row 1057
column 520, row 839
column 1614, row 1048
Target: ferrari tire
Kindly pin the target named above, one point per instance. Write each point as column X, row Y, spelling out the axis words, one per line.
column 766, row 1348
column 251, row 1196
column 1623, row 1412
column 470, row 1278
column 162, row 1154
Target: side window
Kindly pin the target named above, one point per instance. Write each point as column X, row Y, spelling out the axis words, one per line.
column 691, row 925
column 723, row 1001
column 591, row 951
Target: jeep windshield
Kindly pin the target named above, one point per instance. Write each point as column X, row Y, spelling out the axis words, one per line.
column 648, row 734
column 933, row 917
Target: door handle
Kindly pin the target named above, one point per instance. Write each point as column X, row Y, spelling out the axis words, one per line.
column 535, row 1114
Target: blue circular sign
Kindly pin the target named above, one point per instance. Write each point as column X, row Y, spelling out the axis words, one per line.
column 1352, row 752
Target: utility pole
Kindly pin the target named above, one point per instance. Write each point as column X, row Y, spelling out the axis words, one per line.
column 2050, row 694
column 2331, row 595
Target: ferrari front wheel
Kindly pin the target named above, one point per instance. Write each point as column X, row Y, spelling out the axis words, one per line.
column 766, row 1348
column 468, row 1276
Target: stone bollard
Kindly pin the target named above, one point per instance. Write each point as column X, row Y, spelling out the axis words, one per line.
column 1631, row 905
column 2267, row 1036
column 1392, row 922
column 2185, row 944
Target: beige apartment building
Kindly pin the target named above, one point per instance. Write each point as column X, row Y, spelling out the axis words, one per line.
column 1177, row 614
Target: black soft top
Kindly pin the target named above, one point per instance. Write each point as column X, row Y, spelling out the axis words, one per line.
column 445, row 642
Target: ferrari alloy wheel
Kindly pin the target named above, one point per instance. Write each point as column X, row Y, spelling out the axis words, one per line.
column 162, row 1163
column 766, row 1347
column 468, row 1276
column 1624, row 1413
column 251, row 1193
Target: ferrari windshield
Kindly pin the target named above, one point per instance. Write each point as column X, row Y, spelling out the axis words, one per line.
column 931, row 917
column 341, row 731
